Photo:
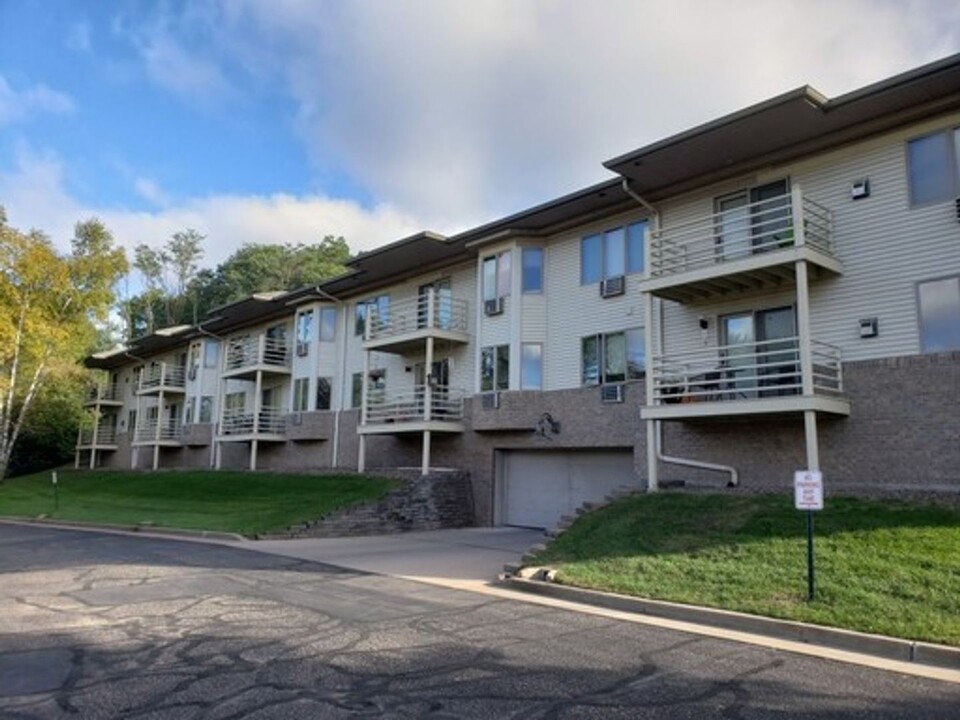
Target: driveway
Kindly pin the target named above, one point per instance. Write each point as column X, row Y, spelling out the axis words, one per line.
column 454, row 558
column 95, row 625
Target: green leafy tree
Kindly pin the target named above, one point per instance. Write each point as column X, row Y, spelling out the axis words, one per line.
column 50, row 305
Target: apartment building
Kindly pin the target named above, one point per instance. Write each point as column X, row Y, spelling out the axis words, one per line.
column 775, row 290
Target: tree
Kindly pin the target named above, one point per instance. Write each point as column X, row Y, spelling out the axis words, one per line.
column 50, row 305
column 170, row 296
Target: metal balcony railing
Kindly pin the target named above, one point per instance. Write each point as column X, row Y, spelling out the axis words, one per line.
column 109, row 392
column 250, row 352
column 786, row 221
column 445, row 404
column 269, row 421
column 152, row 430
column 440, row 312
column 106, row 435
column 162, row 375
column 764, row 369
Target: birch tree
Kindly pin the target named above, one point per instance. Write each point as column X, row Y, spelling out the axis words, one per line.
column 50, row 304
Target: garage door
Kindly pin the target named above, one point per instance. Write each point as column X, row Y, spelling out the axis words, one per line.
column 539, row 487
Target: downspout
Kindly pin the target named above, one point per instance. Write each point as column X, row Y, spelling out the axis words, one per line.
column 657, row 424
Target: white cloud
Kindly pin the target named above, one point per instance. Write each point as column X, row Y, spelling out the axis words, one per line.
column 150, row 191
column 459, row 109
column 79, row 37
column 20, row 105
column 35, row 195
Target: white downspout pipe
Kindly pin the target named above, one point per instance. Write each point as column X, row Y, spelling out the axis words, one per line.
column 655, row 427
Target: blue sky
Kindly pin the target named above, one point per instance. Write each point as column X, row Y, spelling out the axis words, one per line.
column 282, row 121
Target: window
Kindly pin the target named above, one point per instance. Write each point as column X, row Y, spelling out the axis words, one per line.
column 234, row 403
column 612, row 357
column 377, row 386
column 191, row 410
column 304, row 323
column 323, row 393
column 617, row 251
column 206, row 409
column 495, row 368
column 211, row 351
column 531, row 366
column 194, row 359
column 933, row 167
column 379, row 309
column 531, row 262
column 939, row 315
column 496, row 276
column 301, row 394
column 328, row 324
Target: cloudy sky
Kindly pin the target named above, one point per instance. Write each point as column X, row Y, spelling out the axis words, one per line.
column 285, row 120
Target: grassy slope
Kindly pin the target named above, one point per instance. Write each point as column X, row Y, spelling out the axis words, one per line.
column 229, row 501
column 890, row 568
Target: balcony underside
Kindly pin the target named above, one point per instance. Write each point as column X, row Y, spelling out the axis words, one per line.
column 249, row 437
column 166, row 389
column 753, row 272
column 249, row 372
column 410, row 427
column 103, row 403
column 747, row 406
column 412, row 341
column 161, row 443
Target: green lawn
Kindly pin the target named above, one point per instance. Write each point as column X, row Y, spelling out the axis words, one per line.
column 241, row 502
column 883, row 567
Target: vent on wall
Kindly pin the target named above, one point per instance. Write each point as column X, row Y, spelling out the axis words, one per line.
column 490, row 400
column 493, row 307
column 611, row 287
column 611, row 393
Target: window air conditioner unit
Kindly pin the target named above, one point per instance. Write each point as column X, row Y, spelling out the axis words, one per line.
column 611, row 287
column 302, row 349
column 490, row 400
column 493, row 307
column 611, row 393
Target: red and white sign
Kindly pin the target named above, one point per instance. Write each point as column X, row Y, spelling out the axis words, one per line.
column 808, row 490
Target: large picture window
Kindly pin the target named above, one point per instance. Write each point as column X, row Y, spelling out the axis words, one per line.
column 301, row 394
column 933, row 167
column 612, row 357
column 531, row 260
column 531, row 366
column 496, row 276
column 939, row 302
column 377, row 307
column 617, row 251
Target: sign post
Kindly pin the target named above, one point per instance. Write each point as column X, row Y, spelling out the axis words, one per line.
column 56, row 495
column 808, row 495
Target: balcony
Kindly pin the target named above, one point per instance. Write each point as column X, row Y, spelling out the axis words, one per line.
column 414, row 411
column 106, row 438
column 250, row 355
column 164, row 432
column 407, row 323
column 745, row 249
column 239, row 425
column 162, row 377
column 109, row 394
column 756, row 378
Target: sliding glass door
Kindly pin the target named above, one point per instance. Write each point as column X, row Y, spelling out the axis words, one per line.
column 760, row 356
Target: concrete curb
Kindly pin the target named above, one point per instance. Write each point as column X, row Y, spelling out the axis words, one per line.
column 141, row 529
column 881, row 646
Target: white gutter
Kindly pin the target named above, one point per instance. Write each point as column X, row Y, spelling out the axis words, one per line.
column 658, row 428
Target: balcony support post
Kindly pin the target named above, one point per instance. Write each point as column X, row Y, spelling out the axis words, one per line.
column 361, row 453
column 94, row 438
column 429, row 381
column 648, row 355
column 134, row 431
column 796, row 200
column 803, row 329
column 156, row 436
column 810, row 438
column 257, row 408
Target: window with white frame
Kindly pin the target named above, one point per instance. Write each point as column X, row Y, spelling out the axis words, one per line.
column 531, row 366
column 211, row 351
column 376, row 387
column 495, row 368
column 933, row 167
column 234, row 403
column 496, row 276
column 304, row 327
column 328, row 324
column 301, row 394
column 378, row 308
column 939, row 307
column 613, row 252
column 191, row 410
column 612, row 357
column 531, row 264
column 206, row 409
